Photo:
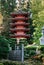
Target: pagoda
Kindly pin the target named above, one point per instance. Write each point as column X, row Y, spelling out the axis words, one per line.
column 19, row 28
column 18, row 25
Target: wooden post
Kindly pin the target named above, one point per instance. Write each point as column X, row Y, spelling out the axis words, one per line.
column 22, row 53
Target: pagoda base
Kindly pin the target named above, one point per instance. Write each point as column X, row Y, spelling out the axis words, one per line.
column 17, row 54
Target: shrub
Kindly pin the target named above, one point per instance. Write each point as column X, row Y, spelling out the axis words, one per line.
column 29, row 51
column 42, row 49
column 4, row 49
column 12, row 63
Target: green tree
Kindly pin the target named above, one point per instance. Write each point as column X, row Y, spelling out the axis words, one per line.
column 37, row 8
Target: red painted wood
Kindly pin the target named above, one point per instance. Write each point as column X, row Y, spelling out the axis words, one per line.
column 18, row 28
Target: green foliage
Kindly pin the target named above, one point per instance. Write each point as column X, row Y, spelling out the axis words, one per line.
column 28, row 62
column 13, row 63
column 31, row 27
column 6, row 31
column 7, row 6
column 37, row 8
column 4, row 49
column 29, row 52
column 12, row 42
column 42, row 49
column 23, row 41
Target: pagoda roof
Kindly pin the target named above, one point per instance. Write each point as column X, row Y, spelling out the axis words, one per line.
column 20, row 13
column 19, row 29
column 14, row 24
column 18, row 18
column 16, row 35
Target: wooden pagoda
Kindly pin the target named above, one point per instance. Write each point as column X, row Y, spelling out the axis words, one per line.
column 18, row 25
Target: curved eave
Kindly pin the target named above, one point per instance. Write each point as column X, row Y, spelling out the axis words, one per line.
column 18, row 18
column 15, row 30
column 15, row 24
column 19, row 13
column 16, row 36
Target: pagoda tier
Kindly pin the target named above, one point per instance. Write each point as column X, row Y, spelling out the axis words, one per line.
column 19, row 13
column 18, row 24
column 18, row 19
column 19, row 36
column 19, row 29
